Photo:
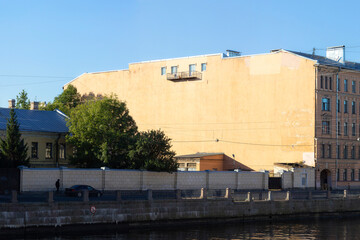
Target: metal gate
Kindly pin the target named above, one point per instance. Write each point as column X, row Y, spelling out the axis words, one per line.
column 274, row 182
column 9, row 180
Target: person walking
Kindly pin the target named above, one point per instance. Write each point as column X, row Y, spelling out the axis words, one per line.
column 57, row 185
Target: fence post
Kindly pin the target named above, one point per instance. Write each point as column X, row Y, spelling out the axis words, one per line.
column 249, row 197
column 86, row 195
column 118, row 196
column 50, row 197
column 103, row 176
column 269, row 198
column 203, row 194
column 21, row 169
column 288, row 196
column 265, row 180
column 228, row 193
column 345, row 194
column 149, row 195
column 14, row 196
column 62, row 179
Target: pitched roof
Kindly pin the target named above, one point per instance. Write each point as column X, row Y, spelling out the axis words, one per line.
column 328, row 62
column 36, row 120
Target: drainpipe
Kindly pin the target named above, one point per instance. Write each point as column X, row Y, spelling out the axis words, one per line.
column 57, row 150
column 337, row 130
column 315, row 139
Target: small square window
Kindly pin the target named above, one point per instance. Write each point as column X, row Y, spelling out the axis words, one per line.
column 203, row 67
column 163, row 70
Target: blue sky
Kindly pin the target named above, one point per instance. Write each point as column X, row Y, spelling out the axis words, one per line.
column 45, row 44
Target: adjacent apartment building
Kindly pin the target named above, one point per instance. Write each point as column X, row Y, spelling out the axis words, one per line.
column 279, row 107
column 44, row 133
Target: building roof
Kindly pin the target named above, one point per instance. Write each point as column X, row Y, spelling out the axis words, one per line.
column 198, row 154
column 292, row 165
column 329, row 62
column 36, row 120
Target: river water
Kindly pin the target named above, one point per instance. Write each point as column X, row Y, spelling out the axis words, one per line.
column 320, row 228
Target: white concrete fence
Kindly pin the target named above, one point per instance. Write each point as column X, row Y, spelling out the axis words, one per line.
column 43, row 179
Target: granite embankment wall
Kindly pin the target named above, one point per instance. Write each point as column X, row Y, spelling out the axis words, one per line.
column 17, row 215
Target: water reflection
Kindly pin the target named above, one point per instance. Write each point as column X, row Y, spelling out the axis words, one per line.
column 323, row 228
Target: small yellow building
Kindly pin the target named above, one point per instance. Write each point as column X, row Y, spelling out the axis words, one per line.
column 278, row 107
column 44, row 133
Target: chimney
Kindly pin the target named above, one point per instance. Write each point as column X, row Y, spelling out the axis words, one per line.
column 336, row 53
column 34, row 106
column 11, row 103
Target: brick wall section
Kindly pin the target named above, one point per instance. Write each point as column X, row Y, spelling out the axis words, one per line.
column 39, row 179
column 213, row 162
column 92, row 177
column 287, row 180
column 221, row 180
column 122, row 179
column 253, row 180
column 191, row 180
column 158, row 180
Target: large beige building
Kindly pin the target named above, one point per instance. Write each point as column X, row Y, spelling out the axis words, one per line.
column 278, row 107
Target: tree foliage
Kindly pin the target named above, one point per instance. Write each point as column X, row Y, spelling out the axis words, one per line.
column 22, row 100
column 152, row 151
column 102, row 132
column 65, row 101
column 13, row 149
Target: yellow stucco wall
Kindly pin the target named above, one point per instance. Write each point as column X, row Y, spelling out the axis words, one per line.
column 261, row 107
column 41, row 138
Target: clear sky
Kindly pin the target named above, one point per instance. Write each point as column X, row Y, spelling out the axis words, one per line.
column 45, row 44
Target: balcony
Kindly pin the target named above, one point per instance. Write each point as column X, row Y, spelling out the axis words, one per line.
column 183, row 76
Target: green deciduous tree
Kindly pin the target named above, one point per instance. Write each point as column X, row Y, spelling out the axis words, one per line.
column 102, row 132
column 22, row 100
column 152, row 151
column 65, row 101
column 13, row 149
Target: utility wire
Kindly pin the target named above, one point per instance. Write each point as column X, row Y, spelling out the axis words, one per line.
column 31, row 76
column 30, row 83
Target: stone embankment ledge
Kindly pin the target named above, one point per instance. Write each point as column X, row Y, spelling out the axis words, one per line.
column 17, row 215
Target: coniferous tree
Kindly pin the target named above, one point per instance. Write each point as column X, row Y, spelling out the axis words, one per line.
column 13, row 149
column 22, row 100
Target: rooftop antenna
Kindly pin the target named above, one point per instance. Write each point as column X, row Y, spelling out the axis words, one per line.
column 313, row 52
